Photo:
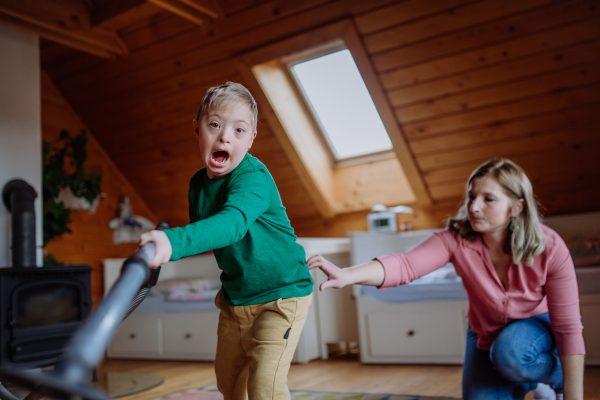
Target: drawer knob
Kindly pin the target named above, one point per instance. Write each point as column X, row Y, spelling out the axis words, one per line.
column 410, row 333
column 188, row 335
column 132, row 336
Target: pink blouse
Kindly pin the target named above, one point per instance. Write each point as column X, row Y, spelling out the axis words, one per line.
column 549, row 285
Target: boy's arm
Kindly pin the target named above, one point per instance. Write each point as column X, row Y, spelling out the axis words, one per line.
column 247, row 199
column 160, row 239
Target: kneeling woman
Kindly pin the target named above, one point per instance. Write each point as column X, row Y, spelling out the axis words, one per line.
column 524, row 320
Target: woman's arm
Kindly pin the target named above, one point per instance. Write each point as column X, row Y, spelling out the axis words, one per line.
column 563, row 305
column 391, row 270
column 370, row 274
column 572, row 367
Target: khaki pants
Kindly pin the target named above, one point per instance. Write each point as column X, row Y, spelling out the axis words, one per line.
column 255, row 347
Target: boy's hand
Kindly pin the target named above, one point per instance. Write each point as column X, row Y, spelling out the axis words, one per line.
column 163, row 247
column 336, row 277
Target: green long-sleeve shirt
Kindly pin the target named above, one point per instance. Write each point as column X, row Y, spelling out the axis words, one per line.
column 241, row 218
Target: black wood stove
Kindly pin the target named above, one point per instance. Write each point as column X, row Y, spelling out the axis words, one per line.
column 40, row 307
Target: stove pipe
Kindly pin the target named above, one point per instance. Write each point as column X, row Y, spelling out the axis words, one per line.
column 18, row 196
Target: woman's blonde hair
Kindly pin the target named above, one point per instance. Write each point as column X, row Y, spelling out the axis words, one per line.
column 525, row 237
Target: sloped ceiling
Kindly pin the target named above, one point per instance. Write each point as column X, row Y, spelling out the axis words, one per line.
column 467, row 80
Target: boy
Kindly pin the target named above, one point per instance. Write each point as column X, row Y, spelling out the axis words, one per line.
column 235, row 210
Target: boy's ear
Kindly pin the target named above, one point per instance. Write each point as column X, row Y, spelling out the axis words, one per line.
column 252, row 140
column 196, row 127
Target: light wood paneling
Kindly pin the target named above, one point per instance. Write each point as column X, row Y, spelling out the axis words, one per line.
column 216, row 42
column 554, row 60
column 473, row 61
column 569, row 119
column 401, row 13
column 198, row 11
column 582, row 139
column 496, row 114
column 91, row 240
column 538, row 85
column 458, row 17
column 67, row 22
column 468, row 80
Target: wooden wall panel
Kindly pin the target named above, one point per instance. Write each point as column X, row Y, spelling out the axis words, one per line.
column 468, row 80
column 91, row 240
column 538, row 85
column 558, row 101
column 216, row 42
column 509, row 30
column 571, row 119
column 465, row 15
column 554, row 60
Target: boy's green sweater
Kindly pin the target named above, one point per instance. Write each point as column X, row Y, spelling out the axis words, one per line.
column 241, row 218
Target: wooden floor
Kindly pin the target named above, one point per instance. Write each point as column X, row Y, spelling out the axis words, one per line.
column 343, row 374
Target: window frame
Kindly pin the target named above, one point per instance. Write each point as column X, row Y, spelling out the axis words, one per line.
column 288, row 62
column 333, row 191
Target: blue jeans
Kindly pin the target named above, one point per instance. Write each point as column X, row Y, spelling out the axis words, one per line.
column 523, row 354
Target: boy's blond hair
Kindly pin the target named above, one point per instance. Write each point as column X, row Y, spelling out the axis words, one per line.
column 230, row 92
column 525, row 237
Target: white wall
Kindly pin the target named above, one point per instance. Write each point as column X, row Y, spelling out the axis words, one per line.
column 20, row 125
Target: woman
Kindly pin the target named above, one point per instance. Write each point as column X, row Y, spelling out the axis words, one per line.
column 524, row 321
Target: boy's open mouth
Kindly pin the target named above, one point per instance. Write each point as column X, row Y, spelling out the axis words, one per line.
column 220, row 157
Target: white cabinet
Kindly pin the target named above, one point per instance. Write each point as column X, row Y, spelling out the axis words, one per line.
column 418, row 337
column 332, row 317
column 137, row 336
column 589, row 305
column 425, row 332
column 176, row 336
column 165, row 335
column 187, row 336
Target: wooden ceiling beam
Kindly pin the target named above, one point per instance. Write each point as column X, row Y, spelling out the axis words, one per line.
column 197, row 11
column 107, row 10
column 66, row 22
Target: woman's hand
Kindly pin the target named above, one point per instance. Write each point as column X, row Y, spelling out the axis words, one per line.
column 162, row 244
column 370, row 274
column 336, row 277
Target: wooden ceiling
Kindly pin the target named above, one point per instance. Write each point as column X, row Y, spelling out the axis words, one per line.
column 468, row 80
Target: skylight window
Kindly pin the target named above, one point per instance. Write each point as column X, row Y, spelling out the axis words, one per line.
column 342, row 104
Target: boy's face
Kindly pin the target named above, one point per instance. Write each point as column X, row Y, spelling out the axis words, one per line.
column 224, row 135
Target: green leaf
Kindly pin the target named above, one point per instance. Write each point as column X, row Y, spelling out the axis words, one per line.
column 50, row 260
column 82, row 183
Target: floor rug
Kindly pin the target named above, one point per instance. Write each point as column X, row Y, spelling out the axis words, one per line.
column 210, row 392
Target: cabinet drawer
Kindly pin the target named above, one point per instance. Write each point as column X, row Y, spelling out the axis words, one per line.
column 191, row 335
column 137, row 335
column 416, row 333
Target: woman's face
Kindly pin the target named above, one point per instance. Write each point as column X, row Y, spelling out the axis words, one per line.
column 490, row 209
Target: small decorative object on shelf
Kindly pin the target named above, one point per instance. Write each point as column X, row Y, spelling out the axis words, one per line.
column 127, row 228
column 383, row 219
